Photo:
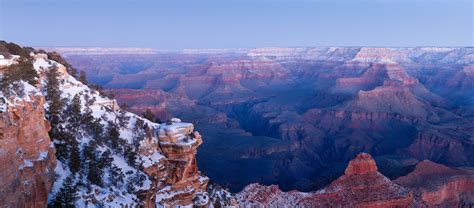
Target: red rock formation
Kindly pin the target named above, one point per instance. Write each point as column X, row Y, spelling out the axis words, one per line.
column 433, row 145
column 439, row 185
column 176, row 179
column 362, row 164
column 429, row 185
column 371, row 78
column 27, row 156
column 361, row 186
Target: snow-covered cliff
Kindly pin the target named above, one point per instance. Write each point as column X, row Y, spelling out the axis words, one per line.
column 105, row 155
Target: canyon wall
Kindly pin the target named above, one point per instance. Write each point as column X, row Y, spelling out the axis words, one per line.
column 98, row 154
column 429, row 185
column 27, row 155
column 295, row 116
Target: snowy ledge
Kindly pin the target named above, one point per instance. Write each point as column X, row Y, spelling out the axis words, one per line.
column 176, row 132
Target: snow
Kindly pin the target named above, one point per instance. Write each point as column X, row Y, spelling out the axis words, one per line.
column 41, row 63
column 177, row 130
column 166, row 193
column 107, row 110
column 3, row 104
column 175, row 120
column 122, row 164
column 43, row 155
column 30, row 89
column 61, row 173
column 151, row 160
column 25, row 91
column 26, row 163
column 4, row 62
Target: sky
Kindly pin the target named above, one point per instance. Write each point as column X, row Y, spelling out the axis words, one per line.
column 179, row 24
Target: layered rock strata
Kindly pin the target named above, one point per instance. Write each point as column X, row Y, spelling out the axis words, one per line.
column 176, row 179
column 361, row 186
column 436, row 185
column 27, row 156
column 429, row 185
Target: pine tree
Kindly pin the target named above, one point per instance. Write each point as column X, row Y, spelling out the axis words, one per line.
column 27, row 71
column 113, row 136
column 72, row 71
column 62, row 143
column 56, row 57
column 139, row 123
column 94, row 173
column 17, row 50
column 22, row 71
column 116, row 175
column 53, row 96
column 96, row 128
column 217, row 204
column 148, row 131
column 130, row 155
column 66, row 196
column 122, row 119
column 82, row 77
column 75, row 158
column 75, row 115
column 105, row 160
column 148, row 114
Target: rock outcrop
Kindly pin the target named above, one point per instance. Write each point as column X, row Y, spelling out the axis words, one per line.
column 362, row 164
column 428, row 185
column 361, row 186
column 176, row 179
column 125, row 161
column 437, row 185
column 27, row 156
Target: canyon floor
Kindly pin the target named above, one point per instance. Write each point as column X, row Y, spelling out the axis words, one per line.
column 296, row 116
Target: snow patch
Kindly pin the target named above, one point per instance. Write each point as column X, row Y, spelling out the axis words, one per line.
column 43, row 155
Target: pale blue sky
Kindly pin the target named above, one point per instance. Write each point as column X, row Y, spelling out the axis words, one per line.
column 177, row 24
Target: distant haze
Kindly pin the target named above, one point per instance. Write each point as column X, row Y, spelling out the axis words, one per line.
column 182, row 24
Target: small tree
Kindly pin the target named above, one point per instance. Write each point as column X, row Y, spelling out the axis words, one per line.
column 116, row 175
column 94, row 172
column 113, row 136
column 105, row 160
column 75, row 158
column 22, row 71
column 62, row 142
column 122, row 118
column 83, row 77
column 66, row 196
column 57, row 57
column 148, row 114
column 27, row 71
column 75, row 114
column 53, row 96
column 130, row 154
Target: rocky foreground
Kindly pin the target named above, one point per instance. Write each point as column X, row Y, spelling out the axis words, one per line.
column 429, row 185
column 99, row 156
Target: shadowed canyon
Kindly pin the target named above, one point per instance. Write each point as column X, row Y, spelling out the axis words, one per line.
column 296, row 116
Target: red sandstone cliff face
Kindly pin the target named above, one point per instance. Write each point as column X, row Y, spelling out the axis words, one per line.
column 429, row 185
column 361, row 186
column 439, row 185
column 176, row 179
column 27, row 156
